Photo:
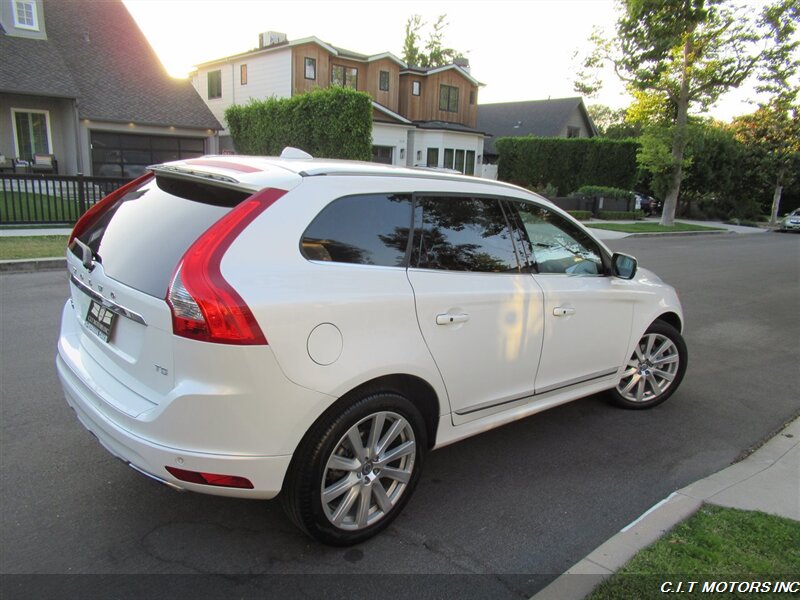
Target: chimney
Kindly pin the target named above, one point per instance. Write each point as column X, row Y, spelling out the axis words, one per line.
column 463, row 62
column 271, row 38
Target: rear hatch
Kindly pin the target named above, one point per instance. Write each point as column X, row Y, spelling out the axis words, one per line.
column 120, row 270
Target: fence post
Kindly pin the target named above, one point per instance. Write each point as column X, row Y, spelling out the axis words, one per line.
column 81, row 196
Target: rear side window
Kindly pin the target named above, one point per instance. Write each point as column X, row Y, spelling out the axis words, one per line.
column 369, row 229
column 463, row 234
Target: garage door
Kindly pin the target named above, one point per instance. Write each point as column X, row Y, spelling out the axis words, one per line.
column 127, row 154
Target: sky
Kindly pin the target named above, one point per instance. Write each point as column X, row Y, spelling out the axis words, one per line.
column 520, row 49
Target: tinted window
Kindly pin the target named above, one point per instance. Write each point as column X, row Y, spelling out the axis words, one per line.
column 365, row 230
column 141, row 238
column 554, row 244
column 463, row 234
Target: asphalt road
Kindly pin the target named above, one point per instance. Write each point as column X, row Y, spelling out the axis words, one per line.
column 498, row 515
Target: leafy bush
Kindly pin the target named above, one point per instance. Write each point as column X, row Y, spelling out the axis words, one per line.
column 620, row 215
column 581, row 215
column 331, row 122
column 603, row 191
column 567, row 164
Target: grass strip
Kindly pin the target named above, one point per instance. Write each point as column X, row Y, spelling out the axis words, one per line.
column 714, row 547
column 34, row 246
column 652, row 227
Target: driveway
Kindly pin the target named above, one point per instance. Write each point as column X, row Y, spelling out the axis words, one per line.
column 498, row 515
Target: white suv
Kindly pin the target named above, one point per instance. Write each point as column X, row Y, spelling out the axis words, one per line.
column 248, row 326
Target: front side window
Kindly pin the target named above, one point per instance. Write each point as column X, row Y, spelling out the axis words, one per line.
column 455, row 233
column 384, row 81
column 32, row 133
column 370, row 229
column 310, row 68
column 243, row 74
column 344, row 76
column 25, row 16
column 448, row 98
column 214, row 84
column 555, row 245
column 415, row 88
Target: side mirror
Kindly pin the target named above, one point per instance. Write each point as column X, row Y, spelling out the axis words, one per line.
column 623, row 265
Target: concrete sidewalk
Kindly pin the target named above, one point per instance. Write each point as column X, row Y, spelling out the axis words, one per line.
column 605, row 234
column 768, row 481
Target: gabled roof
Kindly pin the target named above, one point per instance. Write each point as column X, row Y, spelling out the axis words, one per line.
column 96, row 53
column 335, row 50
column 543, row 118
column 447, row 126
column 425, row 71
column 388, row 115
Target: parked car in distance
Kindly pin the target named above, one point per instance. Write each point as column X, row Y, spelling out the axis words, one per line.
column 791, row 222
column 647, row 204
column 250, row 327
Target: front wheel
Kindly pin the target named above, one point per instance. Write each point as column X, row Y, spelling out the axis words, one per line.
column 654, row 370
column 356, row 470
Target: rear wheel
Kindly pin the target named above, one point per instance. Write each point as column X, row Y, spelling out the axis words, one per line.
column 654, row 370
column 355, row 471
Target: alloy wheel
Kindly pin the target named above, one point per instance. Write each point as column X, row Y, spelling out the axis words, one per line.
column 651, row 370
column 368, row 471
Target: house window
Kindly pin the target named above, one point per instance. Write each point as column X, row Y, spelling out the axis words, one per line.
column 433, row 157
column 449, row 155
column 472, row 96
column 448, row 98
column 310, row 71
column 243, row 74
column 25, row 16
column 469, row 167
column 415, row 87
column 459, row 166
column 344, row 76
column 573, row 132
column 31, row 132
column 384, row 81
column 214, row 84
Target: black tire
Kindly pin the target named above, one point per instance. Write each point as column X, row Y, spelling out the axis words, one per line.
column 646, row 372
column 313, row 469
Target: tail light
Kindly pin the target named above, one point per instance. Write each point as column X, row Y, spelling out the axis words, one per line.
column 91, row 216
column 204, row 305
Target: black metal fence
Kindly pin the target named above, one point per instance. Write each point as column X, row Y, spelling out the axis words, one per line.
column 51, row 199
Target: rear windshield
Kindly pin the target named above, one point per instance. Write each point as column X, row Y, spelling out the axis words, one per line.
column 141, row 238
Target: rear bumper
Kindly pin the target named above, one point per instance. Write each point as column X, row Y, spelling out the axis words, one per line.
column 265, row 472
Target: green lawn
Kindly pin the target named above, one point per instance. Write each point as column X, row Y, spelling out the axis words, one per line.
column 650, row 227
column 17, row 207
column 714, row 545
column 38, row 246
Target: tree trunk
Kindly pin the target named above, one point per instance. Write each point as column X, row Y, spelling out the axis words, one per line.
column 678, row 141
column 776, row 200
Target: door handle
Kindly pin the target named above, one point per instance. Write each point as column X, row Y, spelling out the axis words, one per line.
column 563, row 311
column 448, row 319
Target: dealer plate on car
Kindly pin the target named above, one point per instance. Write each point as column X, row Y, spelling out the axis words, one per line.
column 100, row 320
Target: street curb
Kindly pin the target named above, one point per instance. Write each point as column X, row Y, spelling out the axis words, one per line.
column 30, row 265
column 678, row 233
column 612, row 555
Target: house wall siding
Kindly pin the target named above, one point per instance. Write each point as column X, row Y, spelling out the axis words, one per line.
column 576, row 120
column 425, row 107
column 268, row 74
column 390, row 99
column 395, row 136
column 300, row 84
column 62, row 126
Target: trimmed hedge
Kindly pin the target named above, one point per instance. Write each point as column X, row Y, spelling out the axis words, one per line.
column 581, row 215
column 602, row 191
column 331, row 122
column 567, row 164
column 620, row 215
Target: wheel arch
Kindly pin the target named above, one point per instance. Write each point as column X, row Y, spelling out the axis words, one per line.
column 418, row 391
column 672, row 319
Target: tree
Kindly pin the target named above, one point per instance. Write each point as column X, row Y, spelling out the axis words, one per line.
column 773, row 131
column 613, row 123
column 683, row 53
column 435, row 54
